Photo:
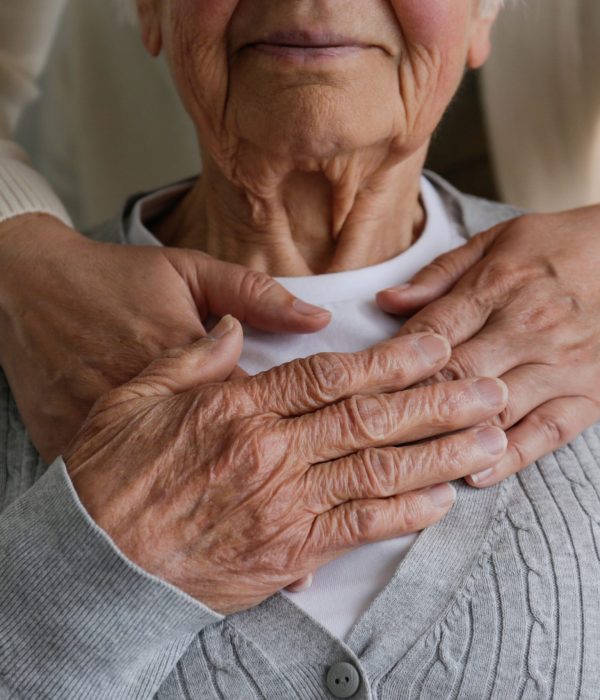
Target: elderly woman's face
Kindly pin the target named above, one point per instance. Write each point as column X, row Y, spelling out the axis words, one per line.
column 309, row 79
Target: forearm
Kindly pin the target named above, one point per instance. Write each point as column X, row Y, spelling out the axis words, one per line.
column 76, row 617
column 23, row 242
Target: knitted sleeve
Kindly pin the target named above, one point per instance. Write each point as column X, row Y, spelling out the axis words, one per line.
column 77, row 618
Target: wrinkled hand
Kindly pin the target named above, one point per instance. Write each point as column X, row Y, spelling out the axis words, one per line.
column 520, row 302
column 78, row 318
column 233, row 491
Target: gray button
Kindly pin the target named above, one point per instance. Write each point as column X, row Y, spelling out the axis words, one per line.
column 343, row 680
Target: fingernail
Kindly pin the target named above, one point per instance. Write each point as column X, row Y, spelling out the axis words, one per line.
column 493, row 440
column 400, row 288
column 305, row 584
column 435, row 348
column 442, row 495
column 222, row 328
column 492, row 392
column 308, row 309
column 483, row 476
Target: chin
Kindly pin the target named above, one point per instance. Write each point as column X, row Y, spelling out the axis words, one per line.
column 315, row 112
column 314, row 124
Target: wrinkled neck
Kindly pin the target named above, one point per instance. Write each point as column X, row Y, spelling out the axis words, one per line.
column 301, row 221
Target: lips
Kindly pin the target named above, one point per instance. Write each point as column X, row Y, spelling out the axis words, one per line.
column 305, row 44
column 310, row 40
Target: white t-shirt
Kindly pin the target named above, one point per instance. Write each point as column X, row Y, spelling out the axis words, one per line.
column 344, row 588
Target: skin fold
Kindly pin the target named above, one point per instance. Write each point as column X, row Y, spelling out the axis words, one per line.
column 319, row 181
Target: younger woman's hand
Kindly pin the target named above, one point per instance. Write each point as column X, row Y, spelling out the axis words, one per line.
column 78, row 318
column 520, row 302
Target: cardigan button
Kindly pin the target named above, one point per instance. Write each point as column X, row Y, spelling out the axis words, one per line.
column 343, row 680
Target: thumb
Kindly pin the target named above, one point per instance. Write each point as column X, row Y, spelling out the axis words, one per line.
column 210, row 359
column 253, row 297
column 437, row 278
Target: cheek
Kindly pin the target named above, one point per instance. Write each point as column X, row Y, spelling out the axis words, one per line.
column 435, row 35
column 209, row 18
column 195, row 42
column 434, row 22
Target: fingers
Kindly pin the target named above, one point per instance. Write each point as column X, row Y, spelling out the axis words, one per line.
column 457, row 316
column 221, row 288
column 392, row 419
column 530, row 386
column 494, row 351
column 210, row 359
column 308, row 384
column 372, row 520
column 544, row 430
column 385, row 472
column 437, row 278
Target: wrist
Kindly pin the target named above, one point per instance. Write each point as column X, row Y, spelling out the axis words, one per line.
column 30, row 225
column 24, row 240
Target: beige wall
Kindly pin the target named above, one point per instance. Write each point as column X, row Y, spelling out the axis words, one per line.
column 541, row 92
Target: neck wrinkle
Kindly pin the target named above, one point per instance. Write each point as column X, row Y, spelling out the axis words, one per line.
column 302, row 223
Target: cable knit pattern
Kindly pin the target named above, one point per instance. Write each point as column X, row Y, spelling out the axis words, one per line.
column 23, row 190
column 499, row 601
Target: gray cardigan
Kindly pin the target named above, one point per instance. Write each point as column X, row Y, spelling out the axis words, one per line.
column 499, row 600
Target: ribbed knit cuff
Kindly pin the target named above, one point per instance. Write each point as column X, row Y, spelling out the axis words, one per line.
column 78, row 619
column 23, row 190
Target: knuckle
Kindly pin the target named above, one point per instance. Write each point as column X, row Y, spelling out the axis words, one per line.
column 367, row 417
column 389, row 362
column 447, row 456
column 223, row 408
column 519, row 456
column 254, row 285
column 506, row 418
column 239, row 397
column 380, row 471
column 251, row 451
column 541, row 316
column 426, row 324
column 361, row 523
column 441, row 403
column 573, row 304
column 326, row 373
column 414, row 513
column 497, row 281
column 496, row 275
column 460, row 366
column 175, row 353
column 555, row 428
column 443, row 266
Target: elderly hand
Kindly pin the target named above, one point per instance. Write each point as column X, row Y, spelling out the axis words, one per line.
column 521, row 302
column 78, row 318
column 233, row 491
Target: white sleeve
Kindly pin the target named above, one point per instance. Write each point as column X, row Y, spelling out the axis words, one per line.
column 27, row 29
